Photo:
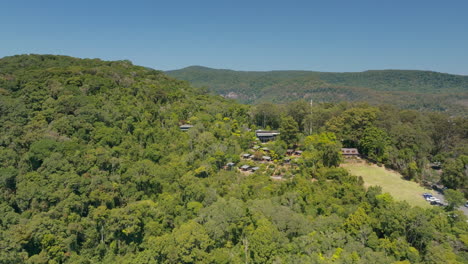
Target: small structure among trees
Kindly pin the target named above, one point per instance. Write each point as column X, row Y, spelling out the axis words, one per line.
column 350, row 152
column 246, row 156
column 254, row 169
column 436, row 165
column 229, row 166
column 185, row 127
column 245, row 167
column 266, row 135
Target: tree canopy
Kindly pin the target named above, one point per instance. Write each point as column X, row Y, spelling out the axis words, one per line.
column 94, row 168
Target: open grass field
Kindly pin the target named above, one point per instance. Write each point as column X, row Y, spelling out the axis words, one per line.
column 390, row 181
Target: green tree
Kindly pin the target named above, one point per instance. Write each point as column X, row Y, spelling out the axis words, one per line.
column 356, row 221
column 187, row 244
column 351, row 124
column 454, row 198
column 374, row 144
column 267, row 115
column 298, row 110
column 289, row 130
column 327, row 146
column 455, row 173
column 265, row 242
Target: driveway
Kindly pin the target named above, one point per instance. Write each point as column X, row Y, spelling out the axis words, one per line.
column 442, row 198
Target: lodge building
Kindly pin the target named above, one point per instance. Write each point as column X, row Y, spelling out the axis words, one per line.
column 350, row 152
column 266, row 135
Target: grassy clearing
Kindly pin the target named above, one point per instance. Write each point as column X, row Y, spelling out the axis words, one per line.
column 390, row 181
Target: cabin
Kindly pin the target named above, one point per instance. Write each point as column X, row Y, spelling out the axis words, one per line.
column 436, row 165
column 266, row 158
column 266, row 149
column 298, row 152
column 350, row 152
column 229, row 166
column 245, row 167
column 266, row 135
column 185, row 127
column 246, row 156
column 289, row 151
column 254, row 169
column 287, row 160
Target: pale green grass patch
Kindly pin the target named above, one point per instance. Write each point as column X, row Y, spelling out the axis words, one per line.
column 391, row 182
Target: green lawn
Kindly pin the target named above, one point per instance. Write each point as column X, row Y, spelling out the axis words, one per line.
column 390, row 181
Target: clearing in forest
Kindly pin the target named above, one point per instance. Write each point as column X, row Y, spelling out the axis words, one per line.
column 390, row 181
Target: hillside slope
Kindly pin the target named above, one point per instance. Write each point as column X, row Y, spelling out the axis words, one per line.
column 420, row 90
column 94, row 168
column 87, row 147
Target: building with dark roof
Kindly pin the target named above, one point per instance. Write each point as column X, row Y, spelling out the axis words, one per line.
column 246, row 156
column 185, row 127
column 266, row 135
column 350, row 152
column 245, row 167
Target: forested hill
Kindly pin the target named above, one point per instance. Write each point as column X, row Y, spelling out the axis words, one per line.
column 94, row 168
column 423, row 90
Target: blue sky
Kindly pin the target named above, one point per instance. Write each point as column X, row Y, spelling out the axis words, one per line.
column 327, row 35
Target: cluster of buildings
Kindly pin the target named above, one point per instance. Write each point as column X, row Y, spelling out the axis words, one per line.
column 250, row 156
column 269, row 135
column 266, row 136
column 249, row 168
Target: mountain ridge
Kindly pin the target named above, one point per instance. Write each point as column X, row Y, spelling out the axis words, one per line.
column 411, row 89
column 313, row 71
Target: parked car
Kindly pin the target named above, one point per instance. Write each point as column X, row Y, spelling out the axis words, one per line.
column 466, row 204
column 427, row 195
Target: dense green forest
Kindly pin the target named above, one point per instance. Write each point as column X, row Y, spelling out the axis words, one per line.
column 95, row 169
column 419, row 90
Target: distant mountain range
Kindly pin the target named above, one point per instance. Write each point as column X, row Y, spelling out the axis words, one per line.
column 409, row 89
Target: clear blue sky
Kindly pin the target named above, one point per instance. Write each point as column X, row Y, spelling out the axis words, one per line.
column 331, row 35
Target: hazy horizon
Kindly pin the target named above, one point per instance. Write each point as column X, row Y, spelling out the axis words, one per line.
column 308, row 70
